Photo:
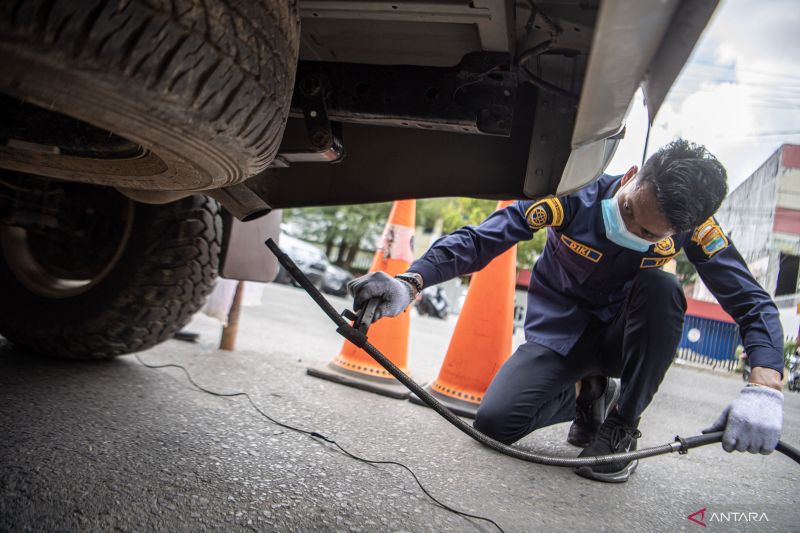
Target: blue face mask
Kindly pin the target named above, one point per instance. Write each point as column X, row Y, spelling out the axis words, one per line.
column 617, row 232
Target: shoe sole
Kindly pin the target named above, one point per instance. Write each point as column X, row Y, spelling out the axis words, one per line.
column 620, row 476
column 611, row 404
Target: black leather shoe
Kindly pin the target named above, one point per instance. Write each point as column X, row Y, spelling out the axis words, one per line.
column 591, row 410
column 614, row 436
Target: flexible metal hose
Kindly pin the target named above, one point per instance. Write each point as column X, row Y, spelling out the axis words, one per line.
column 358, row 338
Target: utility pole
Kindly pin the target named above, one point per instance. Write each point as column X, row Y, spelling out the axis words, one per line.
column 646, row 141
column 228, row 340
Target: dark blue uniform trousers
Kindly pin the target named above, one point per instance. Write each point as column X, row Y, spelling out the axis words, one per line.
column 536, row 386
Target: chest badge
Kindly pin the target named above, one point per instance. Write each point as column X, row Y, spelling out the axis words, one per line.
column 665, row 247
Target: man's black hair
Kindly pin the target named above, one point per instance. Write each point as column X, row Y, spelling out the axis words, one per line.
column 689, row 183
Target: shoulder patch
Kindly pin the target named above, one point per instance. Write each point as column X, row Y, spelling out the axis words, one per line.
column 547, row 212
column 664, row 247
column 581, row 249
column 710, row 237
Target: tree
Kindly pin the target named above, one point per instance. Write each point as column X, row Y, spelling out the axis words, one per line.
column 685, row 270
column 528, row 251
column 458, row 212
column 429, row 211
column 347, row 228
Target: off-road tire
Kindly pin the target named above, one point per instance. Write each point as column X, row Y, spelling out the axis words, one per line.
column 204, row 86
column 163, row 277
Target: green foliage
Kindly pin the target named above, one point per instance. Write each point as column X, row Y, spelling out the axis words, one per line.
column 348, row 227
column 429, row 211
column 789, row 348
column 685, row 270
column 458, row 212
column 352, row 227
column 737, row 364
column 529, row 251
column 465, row 211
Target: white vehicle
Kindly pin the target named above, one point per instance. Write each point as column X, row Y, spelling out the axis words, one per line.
column 127, row 124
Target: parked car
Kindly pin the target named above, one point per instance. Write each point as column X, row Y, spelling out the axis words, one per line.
column 335, row 280
column 127, row 124
column 309, row 259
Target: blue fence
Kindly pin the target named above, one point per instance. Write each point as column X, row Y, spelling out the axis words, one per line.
column 709, row 342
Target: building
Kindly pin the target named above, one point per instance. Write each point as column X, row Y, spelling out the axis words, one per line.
column 762, row 218
column 708, row 332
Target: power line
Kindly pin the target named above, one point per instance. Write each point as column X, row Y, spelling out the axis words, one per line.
column 704, row 64
column 746, row 100
column 749, row 94
column 759, row 94
column 698, row 77
column 760, row 134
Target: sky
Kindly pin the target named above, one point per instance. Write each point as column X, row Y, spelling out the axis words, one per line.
column 739, row 93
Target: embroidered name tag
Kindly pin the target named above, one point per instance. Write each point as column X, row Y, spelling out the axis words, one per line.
column 581, row 249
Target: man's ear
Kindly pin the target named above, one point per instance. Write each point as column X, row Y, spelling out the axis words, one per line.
column 629, row 174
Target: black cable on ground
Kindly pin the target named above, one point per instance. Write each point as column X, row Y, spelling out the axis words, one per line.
column 358, row 338
column 318, row 436
column 681, row 445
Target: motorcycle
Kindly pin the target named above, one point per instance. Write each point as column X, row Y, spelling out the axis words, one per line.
column 794, row 373
column 432, row 301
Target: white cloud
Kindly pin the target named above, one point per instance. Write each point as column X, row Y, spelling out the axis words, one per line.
column 743, row 81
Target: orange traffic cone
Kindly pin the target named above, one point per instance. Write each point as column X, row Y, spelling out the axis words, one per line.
column 481, row 342
column 353, row 366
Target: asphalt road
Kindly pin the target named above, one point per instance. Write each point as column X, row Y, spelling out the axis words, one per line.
column 117, row 446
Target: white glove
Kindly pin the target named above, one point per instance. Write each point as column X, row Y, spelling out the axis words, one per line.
column 395, row 294
column 752, row 422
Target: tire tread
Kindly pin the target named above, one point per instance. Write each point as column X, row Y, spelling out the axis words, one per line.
column 169, row 283
column 248, row 52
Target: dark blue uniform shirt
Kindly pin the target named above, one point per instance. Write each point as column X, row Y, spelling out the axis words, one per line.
column 582, row 275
